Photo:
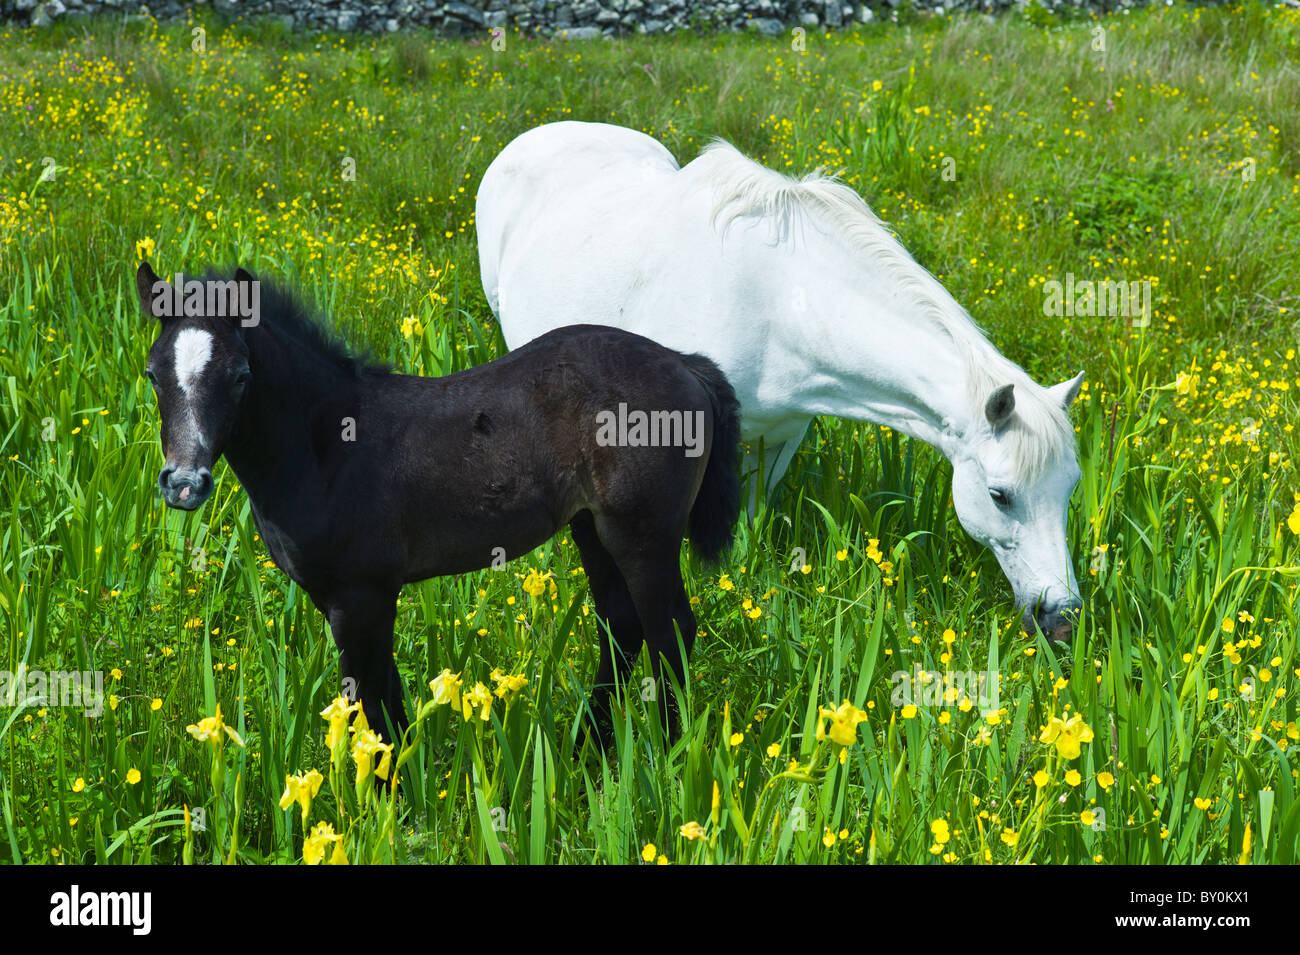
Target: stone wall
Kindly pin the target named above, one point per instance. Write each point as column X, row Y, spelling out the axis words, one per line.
column 570, row 19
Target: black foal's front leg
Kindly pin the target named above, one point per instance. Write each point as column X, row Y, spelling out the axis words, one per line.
column 361, row 622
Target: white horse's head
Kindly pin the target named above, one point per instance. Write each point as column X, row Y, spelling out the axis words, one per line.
column 1011, row 484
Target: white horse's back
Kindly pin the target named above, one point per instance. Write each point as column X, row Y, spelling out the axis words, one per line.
column 545, row 169
column 590, row 223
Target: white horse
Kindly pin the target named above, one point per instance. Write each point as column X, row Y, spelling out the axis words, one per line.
column 807, row 303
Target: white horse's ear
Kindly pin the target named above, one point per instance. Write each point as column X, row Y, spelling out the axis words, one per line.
column 999, row 406
column 1067, row 391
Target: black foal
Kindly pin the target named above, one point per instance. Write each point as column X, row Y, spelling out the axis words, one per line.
column 362, row 480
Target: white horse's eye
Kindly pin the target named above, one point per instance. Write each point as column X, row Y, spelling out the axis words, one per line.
column 1000, row 497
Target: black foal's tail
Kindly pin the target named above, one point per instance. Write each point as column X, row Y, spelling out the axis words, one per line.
column 717, row 505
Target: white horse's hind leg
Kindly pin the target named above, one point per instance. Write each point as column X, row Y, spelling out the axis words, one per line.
column 776, row 461
column 780, row 463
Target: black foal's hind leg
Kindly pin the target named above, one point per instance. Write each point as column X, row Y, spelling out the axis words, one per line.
column 615, row 615
column 361, row 622
column 650, row 564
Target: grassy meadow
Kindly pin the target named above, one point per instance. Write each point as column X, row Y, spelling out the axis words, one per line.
column 1161, row 146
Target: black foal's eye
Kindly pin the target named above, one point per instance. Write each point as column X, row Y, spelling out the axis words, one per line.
column 241, row 379
column 1000, row 497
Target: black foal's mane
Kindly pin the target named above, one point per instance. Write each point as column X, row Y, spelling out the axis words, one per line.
column 284, row 312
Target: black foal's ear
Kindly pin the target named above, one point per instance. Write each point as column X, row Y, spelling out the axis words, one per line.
column 145, row 280
column 243, row 275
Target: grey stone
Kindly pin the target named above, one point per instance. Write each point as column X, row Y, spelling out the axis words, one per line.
column 47, row 13
column 463, row 11
column 768, row 26
column 578, row 33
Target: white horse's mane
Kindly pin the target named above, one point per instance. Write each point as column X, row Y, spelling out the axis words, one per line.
column 1040, row 430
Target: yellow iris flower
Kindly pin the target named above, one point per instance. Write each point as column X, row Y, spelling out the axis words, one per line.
column 1068, row 735
column 301, row 789
column 210, row 730
column 844, row 723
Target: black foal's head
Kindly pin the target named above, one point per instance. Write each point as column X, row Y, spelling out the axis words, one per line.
column 199, row 370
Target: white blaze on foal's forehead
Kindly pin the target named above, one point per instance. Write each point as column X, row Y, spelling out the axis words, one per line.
column 193, row 350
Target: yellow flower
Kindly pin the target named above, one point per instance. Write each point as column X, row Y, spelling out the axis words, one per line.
column 446, row 688
column 1105, row 780
column 78, row 785
column 737, row 739
column 649, row 852
column 321, row 837
column 365, row 745
column 725, row 582
column 1041, row 779
column 507, row 684
column 692, row 830
column 909, row 712
column 1068, row 735
column 841, row 555
column 1293, row 520
column 144, row 248
column 1087, row 816
column 1202, row 803
column 337, row 713
column 1010, row 837
column 939, row 828
column 1072, row 778
column 132, row 776
column 478, row 696
column 844, row 723
column 211, row 728
column 774, row 751
column 301, row 789
column 156, row 705
column 535, row 583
